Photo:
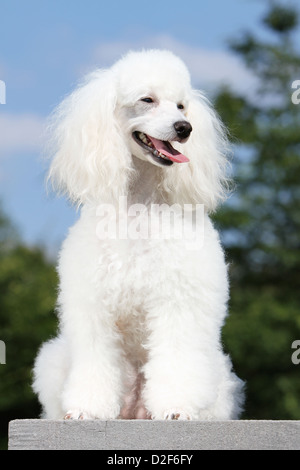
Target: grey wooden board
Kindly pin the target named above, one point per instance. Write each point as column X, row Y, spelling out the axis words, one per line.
column 38, row 434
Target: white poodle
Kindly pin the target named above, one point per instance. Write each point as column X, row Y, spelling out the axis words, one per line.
column 140, row 308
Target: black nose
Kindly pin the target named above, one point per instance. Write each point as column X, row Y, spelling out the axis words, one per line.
column 183, row 129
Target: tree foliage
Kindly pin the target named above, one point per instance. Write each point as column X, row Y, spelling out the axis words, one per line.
column 262, row 221
column 27, row 296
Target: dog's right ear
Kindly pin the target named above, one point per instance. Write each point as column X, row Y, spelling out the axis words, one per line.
column 90, row 159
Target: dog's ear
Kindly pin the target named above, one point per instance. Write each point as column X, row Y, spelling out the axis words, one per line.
column 90, row 160
column 204, row 179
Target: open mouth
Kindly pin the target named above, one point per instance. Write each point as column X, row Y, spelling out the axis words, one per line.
column 161, row 150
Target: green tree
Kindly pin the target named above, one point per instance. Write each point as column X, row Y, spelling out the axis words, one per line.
column 262, row 220
column 27, row 296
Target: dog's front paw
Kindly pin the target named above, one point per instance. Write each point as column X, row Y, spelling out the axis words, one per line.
column 77, row 414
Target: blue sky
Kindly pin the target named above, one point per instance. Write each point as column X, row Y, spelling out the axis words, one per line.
column 47, row 45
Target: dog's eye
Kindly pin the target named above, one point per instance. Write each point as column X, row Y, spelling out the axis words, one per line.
column 147, row 99
column 180, row 106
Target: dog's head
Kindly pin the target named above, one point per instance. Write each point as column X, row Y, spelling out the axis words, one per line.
column 143, row 106
column 154, row 91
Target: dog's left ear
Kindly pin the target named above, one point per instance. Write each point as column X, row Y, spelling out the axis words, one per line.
column 204, row 179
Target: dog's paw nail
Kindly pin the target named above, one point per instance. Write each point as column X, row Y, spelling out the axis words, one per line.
column 77, row 414
column 175, row 416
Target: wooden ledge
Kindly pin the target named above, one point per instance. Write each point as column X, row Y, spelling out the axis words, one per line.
column 36, row 434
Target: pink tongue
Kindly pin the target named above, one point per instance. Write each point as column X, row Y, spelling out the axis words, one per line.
column 168, row 151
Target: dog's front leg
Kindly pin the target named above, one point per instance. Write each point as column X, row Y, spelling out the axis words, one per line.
column 93, row 386
column 181, row 373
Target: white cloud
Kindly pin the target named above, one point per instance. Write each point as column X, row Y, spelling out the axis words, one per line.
column 20, row 133
column 208, row 68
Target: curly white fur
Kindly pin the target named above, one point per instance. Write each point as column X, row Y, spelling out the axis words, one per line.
column 140, row 319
